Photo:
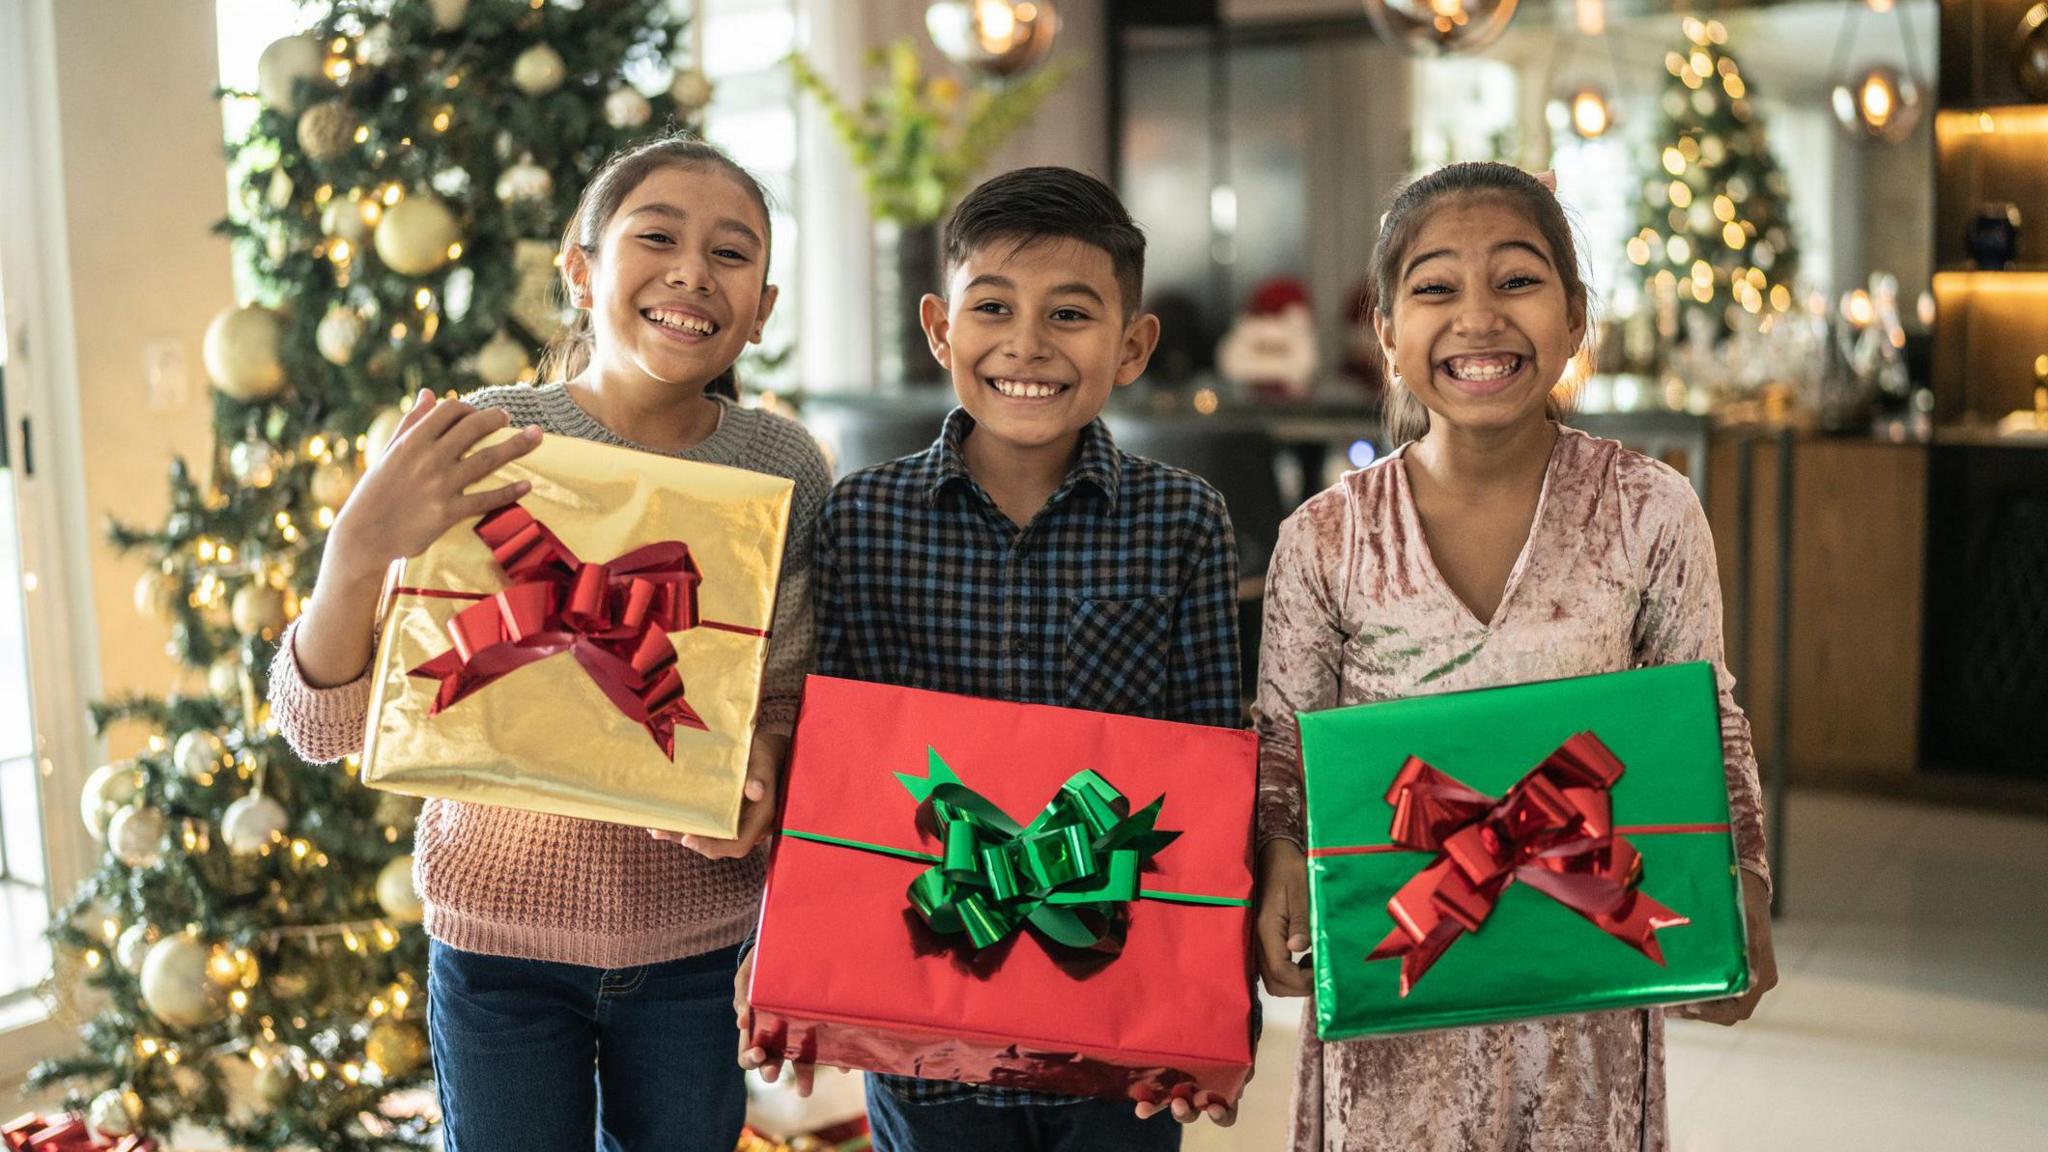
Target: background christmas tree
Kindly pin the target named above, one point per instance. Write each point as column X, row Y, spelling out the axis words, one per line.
column 252, row 933
column 1714, row 234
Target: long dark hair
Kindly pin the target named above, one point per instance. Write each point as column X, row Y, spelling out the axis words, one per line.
column 1404, row 416
column 569, row 352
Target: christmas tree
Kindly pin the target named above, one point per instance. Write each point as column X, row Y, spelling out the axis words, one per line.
column 1714, row 235
column 251, row 936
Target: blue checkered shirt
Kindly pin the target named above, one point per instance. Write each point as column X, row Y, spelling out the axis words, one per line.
column 1119, row 596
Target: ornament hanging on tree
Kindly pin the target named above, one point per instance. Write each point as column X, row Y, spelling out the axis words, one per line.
column 282, row 65
column 1440, row 27
column 448, row 14
column 240, row 351
column 332, row 483
column 538, row 70
column 338, row 332
column 525, row 181
column 502, row 360
column 625, row 107
column 378, row 436
column 415, row 234
column 224, row 678
column 180, row 985
column 115, row 1112
column 279, row 194
column 342, row 219
column 255, row 463
column 107, row 791
column 691, row 90
column 258, row 609
column 251, row 823
column 374, row 49
column 156, row 596
column 327, row 130
column 133, row 946
column 275, row 1079
column 534, row 278
column 395, row 893
column 135, row 836
column 993, row 37
column 200, row 753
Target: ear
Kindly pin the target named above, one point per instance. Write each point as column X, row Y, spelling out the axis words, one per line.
column 1141, row 336
column 938, row 329
column 1384, row 329
column 576, row 275
column 1577, row 310
column 769, row 295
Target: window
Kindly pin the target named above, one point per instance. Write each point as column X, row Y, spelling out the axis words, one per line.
column 24, row 900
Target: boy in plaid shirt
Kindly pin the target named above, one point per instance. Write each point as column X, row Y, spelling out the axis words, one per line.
column 1023, row 557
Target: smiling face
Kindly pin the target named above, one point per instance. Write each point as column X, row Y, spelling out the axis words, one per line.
column 1035, row 338
column 1482, row 326
column 676, row 288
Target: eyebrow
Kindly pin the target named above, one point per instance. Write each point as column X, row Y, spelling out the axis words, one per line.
column 1503, row 246
column 676, row 213
column 1070, row 288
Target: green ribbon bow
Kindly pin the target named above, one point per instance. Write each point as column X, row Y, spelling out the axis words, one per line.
column 1080, row 858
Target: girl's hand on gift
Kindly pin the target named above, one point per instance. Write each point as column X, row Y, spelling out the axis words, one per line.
column 1763, row 961
column 1188, row 1111
column 417, row 490
column 765, row 758
column 413, row 494
column 753, row 1056
column 1282, row 918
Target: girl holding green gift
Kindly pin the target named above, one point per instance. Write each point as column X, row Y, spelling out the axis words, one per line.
column 1492, row 547
column 580, row 972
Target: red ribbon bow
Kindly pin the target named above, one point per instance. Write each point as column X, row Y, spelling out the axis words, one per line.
column 614, row 617
column 1553, row 831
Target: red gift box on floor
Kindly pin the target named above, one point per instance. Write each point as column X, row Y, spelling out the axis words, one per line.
column 848, row 971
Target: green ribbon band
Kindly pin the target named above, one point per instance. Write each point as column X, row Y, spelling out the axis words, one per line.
column 1077, row 862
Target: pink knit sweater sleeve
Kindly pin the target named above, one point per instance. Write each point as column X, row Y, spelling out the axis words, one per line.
column 321, row 724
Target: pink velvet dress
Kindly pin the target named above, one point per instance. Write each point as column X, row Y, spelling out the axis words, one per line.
column 1618, row 572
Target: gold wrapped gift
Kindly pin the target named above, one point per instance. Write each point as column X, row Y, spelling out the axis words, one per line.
column 595, row 650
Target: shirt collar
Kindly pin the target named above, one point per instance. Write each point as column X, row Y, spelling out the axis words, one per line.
column 1098, row 462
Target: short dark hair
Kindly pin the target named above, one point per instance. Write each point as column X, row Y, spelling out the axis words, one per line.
column 1027, row 205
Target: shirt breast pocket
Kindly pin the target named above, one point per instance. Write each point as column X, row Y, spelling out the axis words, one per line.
column 1116, row 653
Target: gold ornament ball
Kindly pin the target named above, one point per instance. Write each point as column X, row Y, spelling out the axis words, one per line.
column 337, row 334
column 332, row 483
column 691, row 90
column 525, row 181
column 275, row 1080
column 378, row 436
column 502, row 360
column 133, row 946
column 327, row 130
column 279, row 194
column 156, row 596
column 135, row 835
column 375, row 48
column 257, row 609
column 395, row 893
column 224, row 678
column 252, row 822
column 177, row 986
column 114, row 1113
column 107, row 791
column 240, row 351
column 538, row 70
column 414, row 235
column 200, row 753
column 396, row 1047
column 255, row 463
column 283, row 65
column 448, row 14
column 625, row 107
column 343, row 220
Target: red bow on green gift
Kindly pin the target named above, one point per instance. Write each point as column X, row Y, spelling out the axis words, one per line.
column 614, row 617
column 1553, row 831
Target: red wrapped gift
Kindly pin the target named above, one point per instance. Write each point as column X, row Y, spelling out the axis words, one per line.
column 1011, row 894
column 66, row 1133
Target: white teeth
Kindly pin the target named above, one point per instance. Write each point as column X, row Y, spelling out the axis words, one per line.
column 1482, row 368
column 682, row 320
column 1025, row 389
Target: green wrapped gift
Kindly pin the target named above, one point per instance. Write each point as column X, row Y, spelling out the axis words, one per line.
column 1507, row 853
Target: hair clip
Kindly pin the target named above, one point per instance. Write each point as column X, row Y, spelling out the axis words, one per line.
column 1547, row 178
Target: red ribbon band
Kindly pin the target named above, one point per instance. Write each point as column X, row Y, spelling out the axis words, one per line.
column 1553, row 831
column 613, row 617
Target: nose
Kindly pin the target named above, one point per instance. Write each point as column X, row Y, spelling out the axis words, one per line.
column 1478, row 315
column 689, row 271
column 1026, row 342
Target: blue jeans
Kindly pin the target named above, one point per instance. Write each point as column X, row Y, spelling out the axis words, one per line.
column 968, row 1125
column 553, row 1057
